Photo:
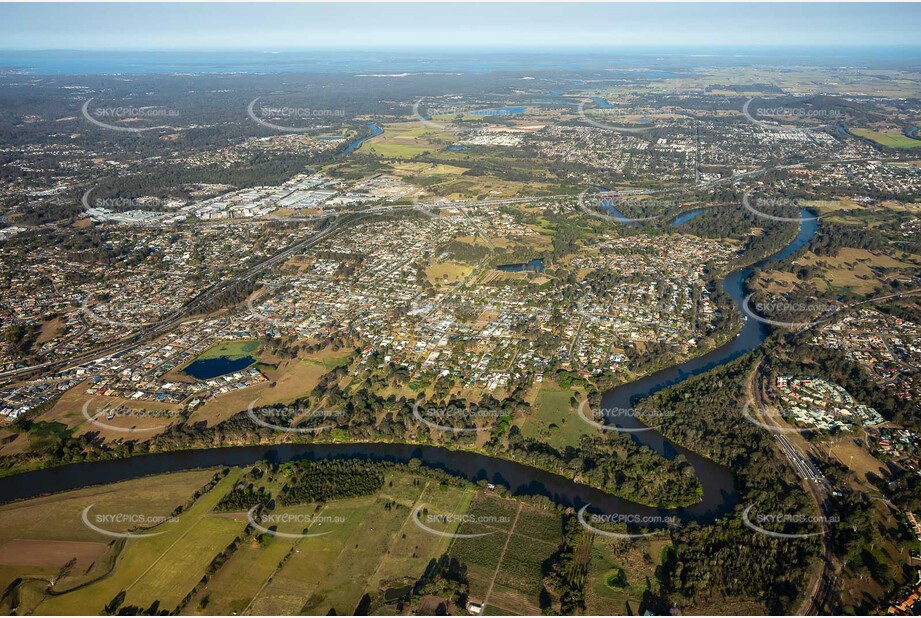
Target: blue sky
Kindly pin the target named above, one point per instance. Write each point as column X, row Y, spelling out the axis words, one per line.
column 454, row 26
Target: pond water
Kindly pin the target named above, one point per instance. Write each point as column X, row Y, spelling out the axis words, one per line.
column 720, row 493
column 207, row 368
column 535, row 265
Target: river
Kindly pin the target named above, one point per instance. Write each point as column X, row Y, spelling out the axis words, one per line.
column 687, row 216
column 356, row 143
column 718, row 482
column 719, row 489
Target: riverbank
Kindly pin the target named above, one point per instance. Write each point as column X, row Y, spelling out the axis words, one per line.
column 717, row 482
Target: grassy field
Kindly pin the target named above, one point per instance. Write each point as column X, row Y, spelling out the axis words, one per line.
column 54, row 525
column 290, row 588
column 413, row 547
column 230, row 349
column 856, row 269
column 375, row 544
column 235, row 585
column 862, row 464
column 54, row 531
column 829, row 206
column 889, row 139
column 172, row 573
column 414, row 169
column 618, row 574
column 447, row 272
column 288, row 381
column 553, row 420
column 160, row 568
column 406, row 140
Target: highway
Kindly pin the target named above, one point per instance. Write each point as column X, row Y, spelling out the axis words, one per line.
column 817, row 598
column 170, row 321
column 166, row 324
column 802, row 463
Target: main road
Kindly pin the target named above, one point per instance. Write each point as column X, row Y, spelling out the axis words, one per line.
column 164, row 325
column 170, row 321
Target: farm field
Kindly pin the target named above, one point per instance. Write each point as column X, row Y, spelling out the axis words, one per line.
column 407, row 140
column 371, row 544
column 161, row 568
column 505, row 566
column 54, row 530
column 234, row 586
column 365, row 551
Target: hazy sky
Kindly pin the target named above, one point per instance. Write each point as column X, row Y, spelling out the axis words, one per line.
column 467, row 26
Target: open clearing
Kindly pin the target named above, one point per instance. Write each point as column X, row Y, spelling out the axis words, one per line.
column 230, row 349
column 289, row 380
column 552, row 418
column 855, row 269
column 606, row 590
column 68, row 409
column 448, row 272
column 160, row 568
column 406, row 140
column 40, row 553
column 890, row 139
column 55, row 522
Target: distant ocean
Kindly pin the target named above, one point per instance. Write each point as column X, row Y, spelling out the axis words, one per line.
column 652, row 63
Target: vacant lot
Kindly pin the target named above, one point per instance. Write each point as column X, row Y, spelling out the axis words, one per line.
column 447, row 272
column 230, row 349
column 69, row 411
column 553, row 419
column 160, row 568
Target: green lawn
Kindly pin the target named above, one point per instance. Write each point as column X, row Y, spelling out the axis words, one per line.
column 230, row 349
column 889, row 140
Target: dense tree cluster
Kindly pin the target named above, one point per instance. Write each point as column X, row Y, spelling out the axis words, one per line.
column 566, row 571
column 320, row 481
column 243, row 497
column 728, row 559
